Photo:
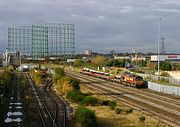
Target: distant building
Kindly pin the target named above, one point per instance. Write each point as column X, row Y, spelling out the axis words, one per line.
column 132, row 57
column 138, row 58
column 117, row 57
column 171, row 58
column 88, row 52
column 42, row 40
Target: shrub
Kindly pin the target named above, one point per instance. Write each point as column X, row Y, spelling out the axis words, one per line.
column 166, row 66
column 147, row 78
column 164, row 80
column 59, row 73
column 89, row 100
column 130, row 110
column 142, row 118
column 61, row 82
column 105, row 102
column 78, row 63
column 38, row 77
column 112, row 104
column 85, row 116
column 66, row 84
column 118, row 110
column 166, row 74
column 75, row 83
column 75, row 96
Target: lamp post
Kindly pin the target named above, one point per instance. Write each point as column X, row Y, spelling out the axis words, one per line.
column 159, row 19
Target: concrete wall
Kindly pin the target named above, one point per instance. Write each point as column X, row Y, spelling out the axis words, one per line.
column 164, row 88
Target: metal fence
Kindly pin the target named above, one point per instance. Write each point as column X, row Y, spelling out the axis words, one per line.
column 164, row 88
column 172, row 80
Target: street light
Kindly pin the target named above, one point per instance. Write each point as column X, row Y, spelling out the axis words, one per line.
column 159, row 19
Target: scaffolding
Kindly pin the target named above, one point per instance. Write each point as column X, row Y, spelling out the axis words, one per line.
column 20, row 40
column 42, row 40
column 39, row 42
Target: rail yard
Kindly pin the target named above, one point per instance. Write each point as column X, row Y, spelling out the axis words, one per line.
column 51, row 107
column 162, row 106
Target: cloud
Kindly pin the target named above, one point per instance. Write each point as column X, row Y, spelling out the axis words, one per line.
column 101, row 25
column 168, row 10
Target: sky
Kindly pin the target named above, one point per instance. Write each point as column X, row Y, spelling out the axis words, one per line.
column 101, row 25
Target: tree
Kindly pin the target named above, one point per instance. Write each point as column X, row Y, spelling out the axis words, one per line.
column 98, row 61
column 177, row 67
column 109, row 63
column 85, row 116
column 123, row 62
column 38, row 77
column 166, row 66
column 116, row 63
column 150, row 65
column 46, row 59
column 78, row 63
column 59, row 73
column 66, row 84
column 142, row 63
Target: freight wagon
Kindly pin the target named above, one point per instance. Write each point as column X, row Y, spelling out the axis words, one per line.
column 124, row 79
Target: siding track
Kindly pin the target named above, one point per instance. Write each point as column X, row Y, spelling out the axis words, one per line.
column 166, row 108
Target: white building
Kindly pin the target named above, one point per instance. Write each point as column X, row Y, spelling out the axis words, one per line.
column 88, row 52
column 121, row 57
column 171, row 58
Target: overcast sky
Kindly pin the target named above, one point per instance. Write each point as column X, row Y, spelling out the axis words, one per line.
column 101, row 25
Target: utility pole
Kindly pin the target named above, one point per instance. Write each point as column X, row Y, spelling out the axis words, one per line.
column 159, row 19
column 163, row 51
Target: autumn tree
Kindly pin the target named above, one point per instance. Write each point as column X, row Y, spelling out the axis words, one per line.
column 177, row 67
column 150, row 65
column 59, row 73
column 38, row 77
column 98, row 61
column 66, row 84
column 78, row 63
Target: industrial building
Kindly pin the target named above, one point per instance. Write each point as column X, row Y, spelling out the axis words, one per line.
column 170, row 58
column 42, row 40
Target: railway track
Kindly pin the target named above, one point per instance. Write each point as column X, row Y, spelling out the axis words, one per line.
column 169, row 99
column 45, row 115
column 165, row 108
column 59, row 106
column 51, row 108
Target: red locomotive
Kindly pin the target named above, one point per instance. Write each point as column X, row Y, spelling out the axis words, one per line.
column 125, row 79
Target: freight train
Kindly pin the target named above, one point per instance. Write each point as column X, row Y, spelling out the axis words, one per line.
column 125, row 79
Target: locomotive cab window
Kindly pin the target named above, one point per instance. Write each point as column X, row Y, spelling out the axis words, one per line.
column 138, row 78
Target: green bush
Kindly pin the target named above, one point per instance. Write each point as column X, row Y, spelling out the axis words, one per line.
column 142, row 118
column 165, row 66
column 59, row 73
column 104, row 102
column 130, row 110
column 75, row 96
column 164, row 80
column 75, row 83
column 78, row 63
column 118, row 110
column 112, row 104
column 147, row 78
column 89, row 100
column 85, row 116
